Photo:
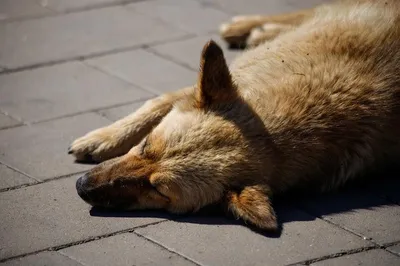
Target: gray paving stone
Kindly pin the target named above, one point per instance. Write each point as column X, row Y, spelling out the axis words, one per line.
column 43, row 259
column 210, row 241
column 5, row 120
column 13, row 9
column 63, row 89
column 188, row 15
column 11, row 178
column 395, row 249
column 253, row 6
column 360, row 212
column 40, row 150
column 307, row 3
column 119, row 112
column 368, row 258
column 146, row 70
column 52, row 214
column 188, row 51
column 78, row 34
column 124, row 249
column 68, row 5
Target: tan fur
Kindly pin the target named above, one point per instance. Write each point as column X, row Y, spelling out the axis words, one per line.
column 315, row 107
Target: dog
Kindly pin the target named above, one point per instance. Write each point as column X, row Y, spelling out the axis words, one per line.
column 313, row 104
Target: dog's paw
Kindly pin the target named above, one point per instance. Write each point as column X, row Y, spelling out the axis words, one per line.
column 238, row 29
column 99, row 145
column 266, row 32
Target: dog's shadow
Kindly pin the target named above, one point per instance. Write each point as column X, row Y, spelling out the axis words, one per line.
column 293, row 208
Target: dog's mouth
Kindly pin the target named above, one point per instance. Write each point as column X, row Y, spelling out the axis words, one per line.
column 122, row 194
column 110, row 195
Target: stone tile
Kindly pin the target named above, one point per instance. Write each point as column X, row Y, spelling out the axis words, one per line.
column 124, row 249
column 307, row 3
column 146, row 70
column 43, row 259
column 188, row 51
column 368, row 258
column 360, row 212
column 13, row 9
column 40, row 150
column 212, row 241
column 5, row 120
column 395, row 249
column 63, row 89
column 119, row 112
column 52, row 214
column 11, row 178
column 188, row 15
column 78, row 34
column 252, row 6
column 68, row 5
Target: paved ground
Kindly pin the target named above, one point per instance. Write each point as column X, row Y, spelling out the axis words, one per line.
column 70, row 66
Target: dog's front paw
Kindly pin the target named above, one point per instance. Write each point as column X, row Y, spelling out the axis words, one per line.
column 99, row 145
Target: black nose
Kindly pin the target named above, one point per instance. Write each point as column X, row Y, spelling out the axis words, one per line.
column 82, row 186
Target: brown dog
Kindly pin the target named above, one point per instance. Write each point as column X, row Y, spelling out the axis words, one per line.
column 316, row 106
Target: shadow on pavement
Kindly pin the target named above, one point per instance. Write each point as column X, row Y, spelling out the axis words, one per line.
column 296, row 207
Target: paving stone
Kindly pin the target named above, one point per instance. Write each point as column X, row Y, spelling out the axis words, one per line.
column 307, row 3
column 395, row 249
column 253, row 6
column 43, row 259
column 212, row 241
column 52, row 214
column 40, row 150
column 188, row 15
column 11, row 178
column 119, row 112
column 146, row 70
column 5, row 120
column 363, row 213
column 368, row 258
column 63, row 89
column 124, row 249
column 13, row 9
column 78, row 34
column 188, row 51
column 68, row 5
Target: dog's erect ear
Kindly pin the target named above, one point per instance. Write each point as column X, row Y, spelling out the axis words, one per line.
column 253, row 205
column 214, row 82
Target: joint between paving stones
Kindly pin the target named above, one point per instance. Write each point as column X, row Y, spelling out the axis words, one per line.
column 70, row 11
column 39, row 182
column 341, row 227
column 18, row 171
column 166, row 248
column 7, row 71
column 348, row 252
column 170, row 58
column 80, row 242
column 340, row 254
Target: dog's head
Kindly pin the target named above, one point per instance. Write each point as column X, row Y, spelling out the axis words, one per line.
column 203, row 152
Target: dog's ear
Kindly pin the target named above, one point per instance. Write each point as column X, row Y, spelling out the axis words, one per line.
column 253, row 205
column 214, row 82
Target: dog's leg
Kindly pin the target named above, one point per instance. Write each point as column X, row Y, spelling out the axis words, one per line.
column 118, row 138
column 238, row 30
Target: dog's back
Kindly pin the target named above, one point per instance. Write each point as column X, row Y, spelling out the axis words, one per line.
column 329, row 92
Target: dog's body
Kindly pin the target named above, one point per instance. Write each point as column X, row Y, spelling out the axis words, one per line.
column 315, row 106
